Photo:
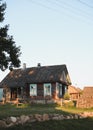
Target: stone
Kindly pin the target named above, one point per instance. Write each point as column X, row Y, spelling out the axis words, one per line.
column 13, row 119
column 24, row 119
column 3, row 124
column 76, row 116
column 88, row 114
column 7, row 120
column 38, row 117
column 45, row 117
column 61, row 117
column 68, row 117
column 18, row 120
column 55, row 118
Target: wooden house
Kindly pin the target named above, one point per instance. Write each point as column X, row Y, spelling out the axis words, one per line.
column 86, row 99
column 74, row 92
column 88, row 91
column 36, row 83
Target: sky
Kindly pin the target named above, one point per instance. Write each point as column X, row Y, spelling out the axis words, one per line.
column 54, row 32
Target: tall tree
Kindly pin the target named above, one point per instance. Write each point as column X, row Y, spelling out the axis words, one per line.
column 9, row 52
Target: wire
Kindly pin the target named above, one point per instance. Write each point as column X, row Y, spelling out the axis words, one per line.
column 85, row 4
column 69, row 14
column 43, row 5
column 68, row 8
column 53, row 9
column 74, row 8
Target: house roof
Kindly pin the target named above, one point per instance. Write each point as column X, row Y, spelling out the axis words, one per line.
column 73, row 90
column 41, row 74
column 88, row 91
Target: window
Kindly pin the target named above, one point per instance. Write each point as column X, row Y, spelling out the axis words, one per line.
column 33, row 90
column 59, row 89
column 47, row 89
column 1, row 93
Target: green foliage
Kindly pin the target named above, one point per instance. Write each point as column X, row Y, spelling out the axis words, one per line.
column 66, row 96
column 9, row 53
column 68, row 104
column 2, row 9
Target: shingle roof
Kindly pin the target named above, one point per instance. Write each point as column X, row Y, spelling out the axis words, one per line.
column 19, row 77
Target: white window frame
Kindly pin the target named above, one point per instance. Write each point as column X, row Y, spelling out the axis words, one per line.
column 1, row 93
column 47, row 85
column 34, row 92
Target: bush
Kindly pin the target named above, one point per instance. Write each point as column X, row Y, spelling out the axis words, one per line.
column 66, row 96
column 68, row 104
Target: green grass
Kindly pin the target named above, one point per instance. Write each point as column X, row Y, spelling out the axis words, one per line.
column 27, row 109
column 74, row 110
column 81, row 124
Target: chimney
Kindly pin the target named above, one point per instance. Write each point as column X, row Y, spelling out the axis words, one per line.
column 24, row 66
column 38, row 65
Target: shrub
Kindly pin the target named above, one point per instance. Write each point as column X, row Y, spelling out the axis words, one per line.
column 66, row 96
column 68, row 104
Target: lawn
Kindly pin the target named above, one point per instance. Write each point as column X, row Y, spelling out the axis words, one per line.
column 26, row 109
column 80, row 124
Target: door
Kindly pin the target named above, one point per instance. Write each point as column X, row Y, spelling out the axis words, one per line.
column 15, row 93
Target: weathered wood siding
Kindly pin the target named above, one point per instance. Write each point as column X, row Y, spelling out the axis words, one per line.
column 7, row 94
column 85, row 102
column 25, row 93
column 40, row 91
column 54, row 90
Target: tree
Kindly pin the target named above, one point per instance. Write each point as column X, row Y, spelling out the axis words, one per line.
column 9, row 52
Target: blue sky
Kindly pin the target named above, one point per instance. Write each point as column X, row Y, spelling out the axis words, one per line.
column 53, row 32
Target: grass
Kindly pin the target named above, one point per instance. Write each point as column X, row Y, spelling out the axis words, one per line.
column 74, row 110
column 27, row 109
column 81, row 124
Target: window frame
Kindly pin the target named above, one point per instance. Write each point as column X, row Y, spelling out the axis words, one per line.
column 46, row 85
column 33, row 93
column 59, row 90
column 1, row 93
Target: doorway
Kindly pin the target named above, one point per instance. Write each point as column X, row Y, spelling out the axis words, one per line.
column 15, row 93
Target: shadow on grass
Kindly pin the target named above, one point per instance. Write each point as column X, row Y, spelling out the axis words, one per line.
column 71, row 124
column 28, row 109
